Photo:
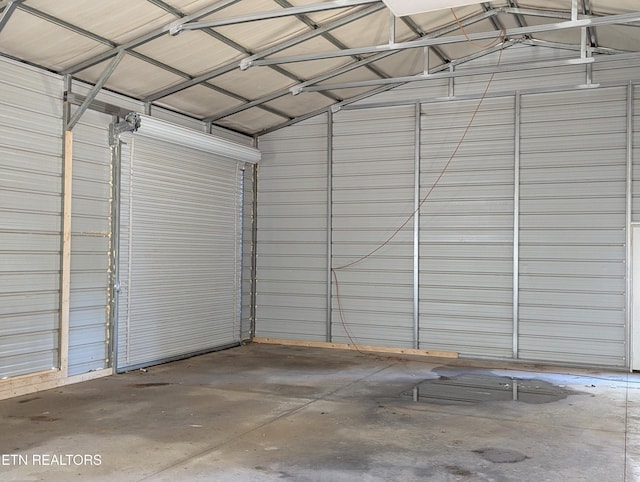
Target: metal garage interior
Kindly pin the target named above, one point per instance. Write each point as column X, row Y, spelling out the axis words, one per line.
column 319, row 240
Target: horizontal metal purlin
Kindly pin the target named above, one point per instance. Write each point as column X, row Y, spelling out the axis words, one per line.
column 380, row 56
column 493, row 34
column 441, row 71
column 556, row 45
column 285, row 12
column 472, row 72
column 145, row 38
column 326, row 35
column 244, row 63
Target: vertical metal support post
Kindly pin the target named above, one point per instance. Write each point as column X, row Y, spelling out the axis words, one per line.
column 516, row 226
column 116, row 152
column 65, row 276
column 416, row 230
column 452, row 91
column 425, row 70
column 574, row 10
column 629, row 218
column 254, row 249
column 583, row 43
column 329, row 334
column 239, row 247
column 392, row 28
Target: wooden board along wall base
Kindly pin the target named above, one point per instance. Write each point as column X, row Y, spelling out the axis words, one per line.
column 367, row 348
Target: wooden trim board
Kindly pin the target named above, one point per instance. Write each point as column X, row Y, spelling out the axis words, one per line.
column 65, row 279
column 36, row 382
column 347, row 346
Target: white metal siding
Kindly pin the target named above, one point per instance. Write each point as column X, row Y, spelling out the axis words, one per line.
column 373, row 195
column 292, row 232
column 466, row 227
column 90, row 244
column 522, row 55
column 635, row 105
column 572, row 254
column 572, row 186
column 30, row 218
column 179, row 264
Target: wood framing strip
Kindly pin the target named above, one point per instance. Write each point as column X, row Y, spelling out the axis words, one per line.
column 65, row 279
column 36, row 382
column 367, row 348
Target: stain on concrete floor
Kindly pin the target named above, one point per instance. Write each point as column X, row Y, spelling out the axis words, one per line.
column 480, row 387
column 267, row 413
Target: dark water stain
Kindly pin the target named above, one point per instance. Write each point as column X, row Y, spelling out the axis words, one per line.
column 474, row 388
column 146, row 385
column 501, row 456
column 455, row 470
column 42, row 418
column 28, row 400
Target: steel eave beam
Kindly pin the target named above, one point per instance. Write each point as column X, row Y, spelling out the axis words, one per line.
column 246, row 62
column 427, row 42
column 284, row 12
column 146, row 37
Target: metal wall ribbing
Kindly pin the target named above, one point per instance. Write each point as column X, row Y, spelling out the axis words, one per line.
column 30, row 218
column 523, row 248
column 373, row 195
column 180, row 240
column 292, row 233
column 635, row 145
column 91, row 244
column 572, row 205
column 466, row 249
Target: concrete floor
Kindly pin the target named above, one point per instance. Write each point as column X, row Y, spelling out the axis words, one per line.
column 267, row 413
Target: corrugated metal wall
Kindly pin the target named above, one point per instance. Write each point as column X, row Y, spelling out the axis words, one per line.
column 635, row 145
column 292, row 232
column 373, row 195
column 466, row 235
column 572, row 205
column 180, row 239
column 30, row 218
column 561, row 151
column 90, row 245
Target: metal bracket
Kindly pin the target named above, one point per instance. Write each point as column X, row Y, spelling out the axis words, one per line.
column 131, row 123
column 296, row 89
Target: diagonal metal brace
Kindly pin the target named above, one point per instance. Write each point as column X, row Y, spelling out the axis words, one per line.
column 95, row 90
column 7, row 10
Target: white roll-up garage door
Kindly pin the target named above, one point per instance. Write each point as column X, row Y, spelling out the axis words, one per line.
column 180, row 243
